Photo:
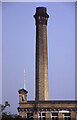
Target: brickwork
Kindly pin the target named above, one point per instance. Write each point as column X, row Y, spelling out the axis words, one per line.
column 48, row 115
column 73, row 114
column 22, row 95
column 35, row 115
column 41, row 55
column 48, row 107
column 60, row 116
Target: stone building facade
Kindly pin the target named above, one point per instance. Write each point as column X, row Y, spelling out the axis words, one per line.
column 42, row 108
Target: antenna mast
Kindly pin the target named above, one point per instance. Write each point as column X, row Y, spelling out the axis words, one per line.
column 24, row 79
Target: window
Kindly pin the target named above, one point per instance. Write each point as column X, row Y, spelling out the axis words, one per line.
column 66, row 116
column 30, row 115
column 42, row 116
column 54, row 116
column 22, row 97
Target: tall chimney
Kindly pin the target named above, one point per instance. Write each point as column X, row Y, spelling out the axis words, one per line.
column 41, row 18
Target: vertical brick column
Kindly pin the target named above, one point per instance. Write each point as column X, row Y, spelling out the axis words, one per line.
column 35, row 115
column 23, row 114
column 41, row 18
column 60, row 116
column 20, row 98
column 76, row 116
column 73, row 115
column 48, row 115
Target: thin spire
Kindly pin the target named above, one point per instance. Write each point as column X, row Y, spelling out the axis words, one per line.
column 24, row 79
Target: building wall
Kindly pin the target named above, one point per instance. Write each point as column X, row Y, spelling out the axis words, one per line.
column 48, row 107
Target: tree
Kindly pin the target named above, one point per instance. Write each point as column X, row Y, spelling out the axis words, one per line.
column 2, row 107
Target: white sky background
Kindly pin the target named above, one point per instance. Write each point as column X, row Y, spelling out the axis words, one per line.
column 38, row 0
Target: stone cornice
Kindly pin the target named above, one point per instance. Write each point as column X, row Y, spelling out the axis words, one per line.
column 51, row 102
column 46, row 109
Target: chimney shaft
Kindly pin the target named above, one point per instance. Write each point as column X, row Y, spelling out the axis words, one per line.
column 41, row 18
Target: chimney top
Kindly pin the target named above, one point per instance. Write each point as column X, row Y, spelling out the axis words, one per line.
column 41, row 11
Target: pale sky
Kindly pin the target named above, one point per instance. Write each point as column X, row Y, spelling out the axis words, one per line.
column 18, row 50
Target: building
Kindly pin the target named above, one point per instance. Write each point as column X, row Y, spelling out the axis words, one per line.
column 42, row 108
